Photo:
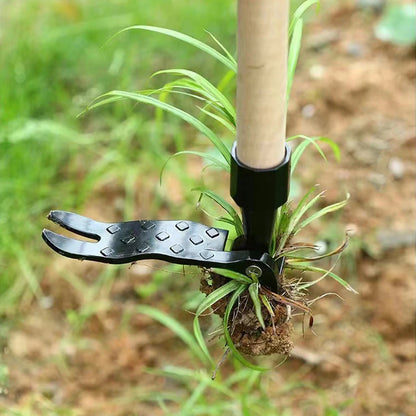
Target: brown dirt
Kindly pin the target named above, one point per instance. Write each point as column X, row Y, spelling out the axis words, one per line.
column 245, row 329
column 364, row 350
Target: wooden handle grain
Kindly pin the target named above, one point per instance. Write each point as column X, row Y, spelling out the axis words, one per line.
column 262, row 43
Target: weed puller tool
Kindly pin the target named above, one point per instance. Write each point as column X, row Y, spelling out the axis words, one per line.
column 260, row 171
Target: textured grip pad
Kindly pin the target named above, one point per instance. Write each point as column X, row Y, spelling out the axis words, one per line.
column 180, row 242
column 185, row 241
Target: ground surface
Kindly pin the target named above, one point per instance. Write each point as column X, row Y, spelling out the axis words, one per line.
column 358, row 91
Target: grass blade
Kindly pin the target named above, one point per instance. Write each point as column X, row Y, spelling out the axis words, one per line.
column 227, row 334
column 266, row 303
column 225, row 80
column 222, row 148
column 297, row 153
column 322, row 212
column 303, row 206
column 231, row 64
column 253, row 290
column 212, row 298
column 216, row 295
column 288, row 222
column 335, row 251
column 300, row 11
column 225, row 50
column 220, row 119
column 175, row 327
column 205, row 85
column 226, row 206
column 207, row 156
column 293, row 55
column 198, row 391
column 306, row 267
column 233, row 275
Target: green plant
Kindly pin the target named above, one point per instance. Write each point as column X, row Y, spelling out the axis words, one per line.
column 398, row 25
column 37, row 405
column 201, row 393
column 226, row 289
column 52, row 66
column 244, row 392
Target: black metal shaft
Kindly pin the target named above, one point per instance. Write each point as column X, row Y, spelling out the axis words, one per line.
column 259, row 193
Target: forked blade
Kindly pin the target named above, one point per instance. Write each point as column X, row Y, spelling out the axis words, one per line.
column 78, row 224
column 180, row 242
column 70, row 247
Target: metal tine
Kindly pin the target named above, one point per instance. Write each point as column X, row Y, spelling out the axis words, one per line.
column 70, row 247
column 78, row 224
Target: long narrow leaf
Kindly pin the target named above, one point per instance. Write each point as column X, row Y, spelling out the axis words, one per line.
column 304, row 286
column 293, row 55
column 225, row 50
column 225, row 205
column 227, row 334
column 294, row 218
column 220, row 119
column 333, row 252
column 187, row 39
column 311, row 141
column 212, row 298
column 205, row 85
column 208, row 156
column 204, row 95
column 253, row 290
column 300, row 11
column 189, row 85
column 216, row 295
column 225, row 80
column 301, row 210
column 306, row 267
column 174, row 326
column 167, row 89
column 297, row 153
column 198, row 391
column 174, row 110
column 233, row 275
column 266, row 303
column 322, row 212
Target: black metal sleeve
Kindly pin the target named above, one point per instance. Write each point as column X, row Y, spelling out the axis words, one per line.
column 259, row 192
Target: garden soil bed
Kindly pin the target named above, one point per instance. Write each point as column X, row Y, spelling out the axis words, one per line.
column 360, row 92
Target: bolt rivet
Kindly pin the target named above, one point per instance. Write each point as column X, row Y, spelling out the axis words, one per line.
column 254, row 271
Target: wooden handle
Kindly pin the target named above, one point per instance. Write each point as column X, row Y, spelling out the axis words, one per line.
column 262, row 44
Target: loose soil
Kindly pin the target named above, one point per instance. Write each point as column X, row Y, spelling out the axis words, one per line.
column 245, row 329
column 358, row 91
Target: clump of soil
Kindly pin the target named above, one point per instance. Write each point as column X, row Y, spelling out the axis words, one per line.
column 246, row 331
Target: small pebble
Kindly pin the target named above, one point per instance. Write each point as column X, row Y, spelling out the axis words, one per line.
column 323, row 39
column 355, row 49
column 308, row 111
column 372, row 5
column 377, row 179
column 46, row 302
column 392, row 239
column 352, row 229
column 396, row 167
column 141, row 269
column 317, row 72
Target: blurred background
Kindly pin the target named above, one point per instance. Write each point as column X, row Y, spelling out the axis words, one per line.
column 71, row 339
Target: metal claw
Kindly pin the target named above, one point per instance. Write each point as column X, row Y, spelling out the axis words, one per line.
column 78, row 224
column 70, row 247
column 183, row 242
column 180, row 242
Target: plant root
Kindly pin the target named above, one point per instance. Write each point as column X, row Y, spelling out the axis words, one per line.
column 246, row 331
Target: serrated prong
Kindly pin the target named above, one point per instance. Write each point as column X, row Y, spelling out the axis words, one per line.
column 70, row 247
column 78, row 224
